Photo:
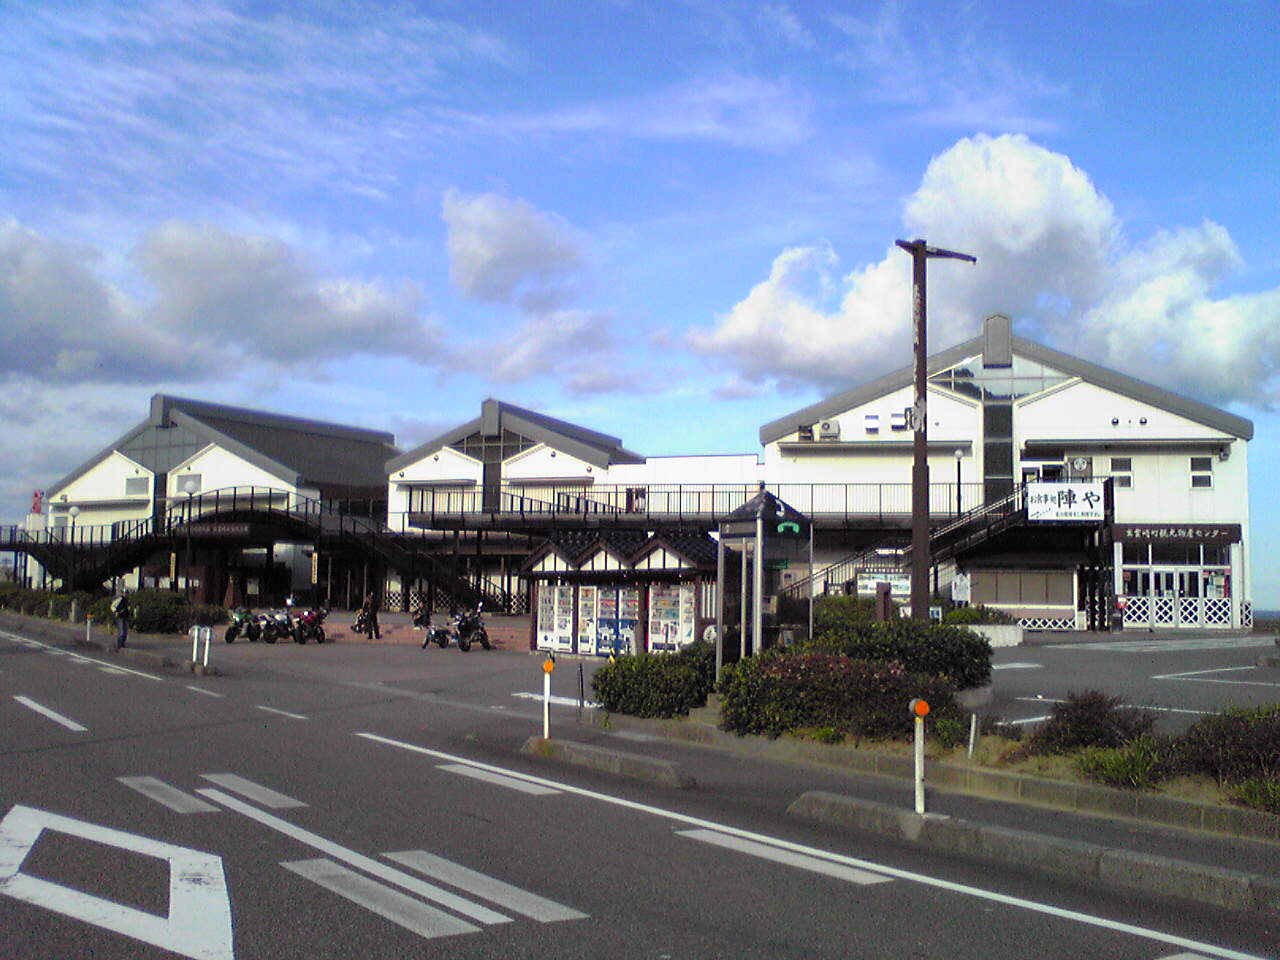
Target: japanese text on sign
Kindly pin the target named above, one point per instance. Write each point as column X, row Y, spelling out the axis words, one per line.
column 1065, row 501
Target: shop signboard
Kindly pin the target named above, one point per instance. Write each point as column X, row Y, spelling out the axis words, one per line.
column 1058, row 502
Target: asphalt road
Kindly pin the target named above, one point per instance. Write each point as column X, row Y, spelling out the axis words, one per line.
column 352, row 801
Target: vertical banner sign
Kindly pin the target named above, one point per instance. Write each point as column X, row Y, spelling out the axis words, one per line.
column 173, row 567
column 315, row 567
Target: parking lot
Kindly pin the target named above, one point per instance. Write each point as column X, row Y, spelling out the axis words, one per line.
column 1180, row 677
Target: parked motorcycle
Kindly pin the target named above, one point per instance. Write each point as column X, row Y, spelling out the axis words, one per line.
column 267, row 629
column 286, row 627
column 309, row 625
column 469, row 629
column 440, row 636
column 242, row 624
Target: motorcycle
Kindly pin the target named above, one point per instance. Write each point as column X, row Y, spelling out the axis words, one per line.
column 469, row 629
column 267, row 629
column 286, row 627
column 309, row 625
column 242, row 624
column 440, row 636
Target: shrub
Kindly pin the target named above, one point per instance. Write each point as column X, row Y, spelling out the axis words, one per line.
column 1138, row 766
column 779, row 693
column 657, row 684
column 839, row 617
column 1090, row 719
column 1233, row 746
column 978, row 614
column 947, row 731
column 1260, row 794
column 960, row 655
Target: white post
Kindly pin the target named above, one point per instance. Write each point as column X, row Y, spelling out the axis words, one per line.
column 546, row 704
column 973, row 733
column 88, row 627
column 919, row 764
column 195, row 643
column 208, row 636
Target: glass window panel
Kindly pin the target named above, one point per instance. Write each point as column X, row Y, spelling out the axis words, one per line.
column 1201, row 481
column 1218, row 553
column 1121, row 464
column 1203, row 464
column 1135, row 553
column 1122, row 481
column 997, row 421
column 1177, row 553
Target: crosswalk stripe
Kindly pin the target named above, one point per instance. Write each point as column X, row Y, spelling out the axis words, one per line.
column 765, row 852
column 413, row 915
column 511, row 783
column 253, row 791
column 165, row 795
column 428, row 891
column 481, row 885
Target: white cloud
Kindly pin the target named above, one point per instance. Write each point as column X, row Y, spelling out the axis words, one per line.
column 1049, row 251
column 730, row 108
column 500, row 247
column 219, row 299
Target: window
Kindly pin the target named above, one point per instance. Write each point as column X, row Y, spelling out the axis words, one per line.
column 1202, row 472
column 1122, row 472
column 137, row 486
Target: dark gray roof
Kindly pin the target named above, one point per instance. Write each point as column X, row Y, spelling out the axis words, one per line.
column 331, row 456
column 1119, row 383
column 598, row 449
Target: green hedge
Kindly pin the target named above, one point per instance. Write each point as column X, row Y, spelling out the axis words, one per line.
column 979, row 614
column 939, row 650
column 780, row 692
column 657, row 684
column 1233, row 746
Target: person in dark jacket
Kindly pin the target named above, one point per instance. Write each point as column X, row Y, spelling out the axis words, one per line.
column 369, row 614
column 123, row 613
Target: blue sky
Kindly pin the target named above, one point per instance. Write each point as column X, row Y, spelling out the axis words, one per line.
column 669, row 221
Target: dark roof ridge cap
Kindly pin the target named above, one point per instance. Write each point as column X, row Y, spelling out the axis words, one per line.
column 163, row 404
column 559, row 426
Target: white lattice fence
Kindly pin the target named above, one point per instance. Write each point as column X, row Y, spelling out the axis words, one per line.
column 1048, row 623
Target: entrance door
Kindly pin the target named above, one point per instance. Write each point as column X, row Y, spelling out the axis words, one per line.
column 1175, row 598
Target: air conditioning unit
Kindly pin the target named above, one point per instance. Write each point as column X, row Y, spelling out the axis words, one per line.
column 828, row 429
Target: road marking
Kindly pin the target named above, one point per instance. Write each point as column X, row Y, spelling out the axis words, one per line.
column 207, row 693
column 165, row 795
column 428, row 891
column 481, row 885
column 198, row 923
column 924, row 879
column 1127, row 706
column 1017, row 666
column 766, row 852
column 83, row 659
column 1184, row 956
column 1167, row 646
column 283, row 713
column 509, row 782
column 113, row 670
column 558, row 701
column 253, row 791
column 413, row 915
column 55, row 717
column 1194, row 676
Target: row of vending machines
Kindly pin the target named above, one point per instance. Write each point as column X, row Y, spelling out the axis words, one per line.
column 597, row 620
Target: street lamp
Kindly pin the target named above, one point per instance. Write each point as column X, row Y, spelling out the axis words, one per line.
column 959, row 455
column 74, row 512
column 189, row 487
column 921, row 252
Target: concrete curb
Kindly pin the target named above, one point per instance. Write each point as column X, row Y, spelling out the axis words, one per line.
column 618, row 762
column 974, row 781
column 1166, row 876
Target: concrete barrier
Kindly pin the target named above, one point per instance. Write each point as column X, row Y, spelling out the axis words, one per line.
column 608, row 760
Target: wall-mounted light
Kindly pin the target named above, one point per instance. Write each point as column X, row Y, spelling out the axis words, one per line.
column 1142, row 420
column 1115, row 421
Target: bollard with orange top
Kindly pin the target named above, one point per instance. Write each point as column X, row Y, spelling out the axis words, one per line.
column 548, row 665
column 919, row 710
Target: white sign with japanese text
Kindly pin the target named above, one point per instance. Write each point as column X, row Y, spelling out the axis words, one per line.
column 1081, row 500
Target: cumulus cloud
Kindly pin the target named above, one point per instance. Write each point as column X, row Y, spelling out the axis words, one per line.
column 218, row 297
column 1050, row 253
column 503, row 247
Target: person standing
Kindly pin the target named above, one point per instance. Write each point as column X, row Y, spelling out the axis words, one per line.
column 369, row 613
column 123, row 613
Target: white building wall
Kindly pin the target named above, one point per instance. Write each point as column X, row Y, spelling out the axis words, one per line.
column 546, row 463
column 100, row 494
column 444, row 468
column 220, row 469
column 742, row 468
